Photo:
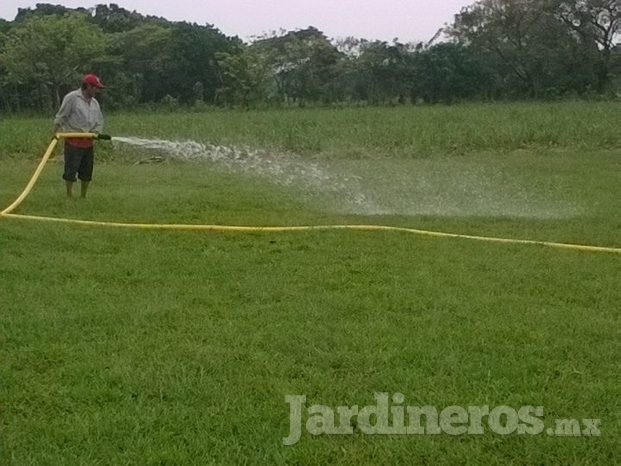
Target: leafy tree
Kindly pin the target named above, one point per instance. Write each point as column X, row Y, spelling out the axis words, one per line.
column 146, row 58
column 504, row 28
column 496, row 49
column 597, row 25
column 51, row 52
column 546, row 46
column 113, row 19
column 244, row 73
column 45, row 9
column 384, row 71
column 449, row 72
column 5, row 26
column 194, row 50
column 303, row 64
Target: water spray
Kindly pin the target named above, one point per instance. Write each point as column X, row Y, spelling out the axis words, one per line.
column 442, row 187
column 342, row 192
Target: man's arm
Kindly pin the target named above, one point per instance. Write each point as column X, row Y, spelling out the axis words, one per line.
column 60, row 121
column 99, row 121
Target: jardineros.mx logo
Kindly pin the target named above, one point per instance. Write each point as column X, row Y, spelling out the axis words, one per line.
column 385, row 418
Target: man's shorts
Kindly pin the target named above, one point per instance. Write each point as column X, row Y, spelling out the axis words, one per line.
column 78, row 161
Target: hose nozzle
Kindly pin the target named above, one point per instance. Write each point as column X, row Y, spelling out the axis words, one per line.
column 104, row 137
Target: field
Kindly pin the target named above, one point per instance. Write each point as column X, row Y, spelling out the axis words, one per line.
column 157, row 347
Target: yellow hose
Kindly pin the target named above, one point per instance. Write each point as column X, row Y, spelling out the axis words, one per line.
column 229, row 228
column 265, row 229
column 76, row 135
column 34, row 178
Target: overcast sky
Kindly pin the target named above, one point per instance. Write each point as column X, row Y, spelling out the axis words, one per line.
column 408, row 20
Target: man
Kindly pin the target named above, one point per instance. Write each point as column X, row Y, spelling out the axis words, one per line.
column 80, row 113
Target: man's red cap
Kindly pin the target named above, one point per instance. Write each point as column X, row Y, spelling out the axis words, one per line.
column 93, row 81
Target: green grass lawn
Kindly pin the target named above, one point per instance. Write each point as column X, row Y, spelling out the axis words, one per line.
column 135, row 347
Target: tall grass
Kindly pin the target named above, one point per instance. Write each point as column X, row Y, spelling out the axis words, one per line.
column 358, row 132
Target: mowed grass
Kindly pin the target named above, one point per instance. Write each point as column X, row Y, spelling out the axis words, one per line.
column 135, row 347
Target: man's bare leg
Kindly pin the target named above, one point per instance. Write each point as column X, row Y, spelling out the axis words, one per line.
column 84, row 186
column 69, row 186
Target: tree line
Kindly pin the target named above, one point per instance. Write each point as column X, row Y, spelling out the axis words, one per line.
column 493, row 50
